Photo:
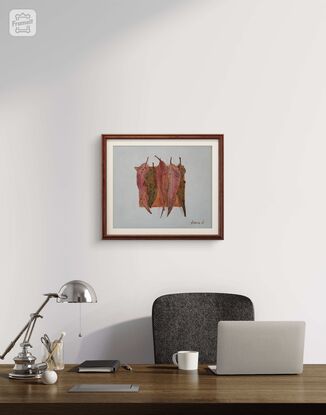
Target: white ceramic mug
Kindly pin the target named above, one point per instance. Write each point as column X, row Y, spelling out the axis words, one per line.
column 186, row 360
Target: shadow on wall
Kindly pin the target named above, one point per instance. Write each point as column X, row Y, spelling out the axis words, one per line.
column 82, row 28
column 130, row 342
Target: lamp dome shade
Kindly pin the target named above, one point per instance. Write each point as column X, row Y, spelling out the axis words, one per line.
column 77, row 291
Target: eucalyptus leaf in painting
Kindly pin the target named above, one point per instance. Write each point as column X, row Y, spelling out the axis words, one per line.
column 161, row 186
column 174, row 182
column 162, row 183
column 151, row 185
column 182, row 187
column 142, row 171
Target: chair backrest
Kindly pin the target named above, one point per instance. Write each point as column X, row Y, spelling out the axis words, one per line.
column 188, row 321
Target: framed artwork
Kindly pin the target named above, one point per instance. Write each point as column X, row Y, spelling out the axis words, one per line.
column 162, row 186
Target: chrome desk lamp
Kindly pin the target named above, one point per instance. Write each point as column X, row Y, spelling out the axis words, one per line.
column 25, row 367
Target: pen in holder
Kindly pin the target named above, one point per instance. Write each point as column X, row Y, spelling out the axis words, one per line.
column 53, row 352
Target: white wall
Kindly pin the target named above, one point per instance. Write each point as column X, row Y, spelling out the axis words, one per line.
column 253, row 70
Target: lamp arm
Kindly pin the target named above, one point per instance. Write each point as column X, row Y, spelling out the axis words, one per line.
column 30, row 327
column 27, row 325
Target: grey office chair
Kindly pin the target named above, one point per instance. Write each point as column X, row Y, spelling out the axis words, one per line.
column 188, row 321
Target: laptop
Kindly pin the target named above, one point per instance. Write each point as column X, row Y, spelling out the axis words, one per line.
column 259, row 347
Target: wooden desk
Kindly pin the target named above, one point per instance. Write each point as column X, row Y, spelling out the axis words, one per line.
column 165, row 390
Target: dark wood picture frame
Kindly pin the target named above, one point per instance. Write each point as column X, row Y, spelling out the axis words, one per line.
column 220, row 193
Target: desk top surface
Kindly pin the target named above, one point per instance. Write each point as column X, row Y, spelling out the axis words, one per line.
column 165, row 384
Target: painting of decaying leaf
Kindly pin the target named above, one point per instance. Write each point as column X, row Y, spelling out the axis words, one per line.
column 161, row 186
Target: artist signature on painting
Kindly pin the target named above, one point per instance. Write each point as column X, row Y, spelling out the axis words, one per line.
column 197, row 222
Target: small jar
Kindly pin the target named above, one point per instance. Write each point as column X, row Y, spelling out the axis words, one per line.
column 55, row 359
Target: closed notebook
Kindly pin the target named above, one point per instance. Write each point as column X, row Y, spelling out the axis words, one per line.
column 100, row 366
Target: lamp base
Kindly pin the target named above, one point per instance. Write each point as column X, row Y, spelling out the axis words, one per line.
column 25, row 366
column 29, row 376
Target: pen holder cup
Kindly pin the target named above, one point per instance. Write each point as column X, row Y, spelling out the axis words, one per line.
column 55, row 358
